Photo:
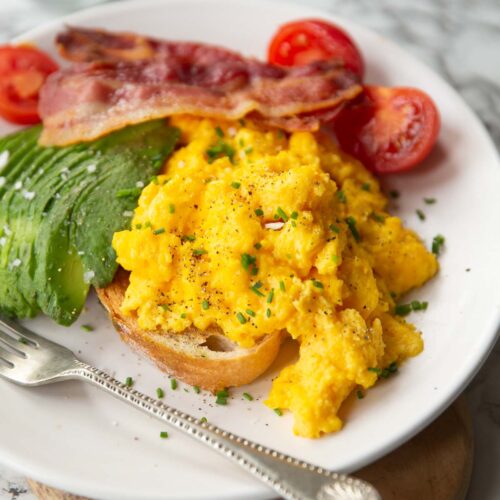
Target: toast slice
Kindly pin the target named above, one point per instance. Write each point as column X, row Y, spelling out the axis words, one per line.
column 207, row 359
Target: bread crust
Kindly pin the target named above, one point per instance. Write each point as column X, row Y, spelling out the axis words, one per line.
column 206, row 359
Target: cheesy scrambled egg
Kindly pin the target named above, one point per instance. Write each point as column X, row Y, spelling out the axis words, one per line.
column 257, row 231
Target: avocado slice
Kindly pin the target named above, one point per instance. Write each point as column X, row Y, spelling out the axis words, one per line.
column 59, row 211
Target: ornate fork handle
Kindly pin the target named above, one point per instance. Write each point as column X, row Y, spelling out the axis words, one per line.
column 289, row 477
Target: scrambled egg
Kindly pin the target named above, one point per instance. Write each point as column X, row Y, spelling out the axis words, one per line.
column 257, row 231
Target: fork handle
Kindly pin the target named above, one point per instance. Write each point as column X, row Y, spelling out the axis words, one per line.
column 291, row 478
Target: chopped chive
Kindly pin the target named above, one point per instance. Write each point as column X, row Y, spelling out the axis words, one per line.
column 341, row 196
column 259, row 212
column 351, row 222
column 389, row 370
column 294, row 224
column 219, row 131
column 147, row 224
column 402, row 309
column 160, row 393
column 160, row 230
column 416, row 305
column 128, row 193
column 377, row 217
column 282, row 286
column 268, row 313
column 164, row 435
column 154, row 179
column 270, row 296
column 248, row 261
column 188, row 237
column 248, row 396
column 317, row 284
column 221, row 401
column 255, row 289
column 359, row 394
column 294, row 215
column 420, row 214
column 248, row 150
column 224, row 393
column 430, row 201
column 235, row 185
column 196, row 389
column 219, row 150
column 87, row 328
column 241, row 318
column 258, row 246
column 203, row 420
column 282, row 214
column 138, row 226
column 334, row 228
column 165, row 307
column 335, row 259
column 394, row 194
column 437, row 244
column 199, row 251
column 205, row 305
column 378, row 371
column 278, row 412
column 22, row 340
column 173, row 384
column 183, row 315
column 171, row 208
column 250, row 313
column 129, row 381
column 366, row 186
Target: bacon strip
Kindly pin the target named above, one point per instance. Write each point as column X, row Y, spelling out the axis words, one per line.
column 122, row 79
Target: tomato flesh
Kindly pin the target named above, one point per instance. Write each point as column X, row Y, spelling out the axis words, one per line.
column 302, row 42
column 23, row 70
column 388, row 129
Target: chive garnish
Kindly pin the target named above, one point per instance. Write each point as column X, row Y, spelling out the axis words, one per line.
column 437, row 244
column 241, row 318
column 160, row 230
column 420, row 214
column 199, row 251
column 335, row 259
column 255, row 289
column 154, row 179
column 259, row 212
column 402, row 309
column 248, row 150
column 250, row 313
column 366, row 186
column 129, row 381
column 203, row 420
column 219, row 131
column 294, row 215
column 248, row 396
column 235, row 185
column 87, row 328
column 378, row 371
column 394, row 194
column 160, row 393
column 270, row 296
column 183, row 315
column 196, row 389
column 128, row 193
column 165, row 307
column 359, row 394
column 268, row 313
column 188, row 237
column 205, row 305
column 377, row 217
column 257, row 246
column 341, row 196
column 317, row 284
column 278, row 412
column 164, row 434
column 282, row 286
column 173, row 384
column 351, row 222
column 219, row 150
column 282, row 214
column 430, row 201
column 171, row 208
column 334, row 228
column 138, row 226
column 248, row 261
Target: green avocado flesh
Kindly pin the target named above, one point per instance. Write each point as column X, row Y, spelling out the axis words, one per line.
column 59, row 209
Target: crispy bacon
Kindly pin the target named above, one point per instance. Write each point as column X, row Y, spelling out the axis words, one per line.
column 121, row 79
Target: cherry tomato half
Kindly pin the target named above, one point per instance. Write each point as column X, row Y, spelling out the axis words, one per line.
column 302, row 42
column 23, row 70
column 388, row 129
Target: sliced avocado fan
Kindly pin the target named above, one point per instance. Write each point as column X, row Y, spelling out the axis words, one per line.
column 59, row 208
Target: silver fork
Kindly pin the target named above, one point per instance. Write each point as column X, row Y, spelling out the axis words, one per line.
column 29, row 359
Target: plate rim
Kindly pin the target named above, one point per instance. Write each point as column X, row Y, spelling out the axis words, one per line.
column 472, row 367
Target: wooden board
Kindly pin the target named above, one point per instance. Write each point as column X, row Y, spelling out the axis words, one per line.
column 434, row 465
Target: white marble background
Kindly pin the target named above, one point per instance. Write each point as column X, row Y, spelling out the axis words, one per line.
column 460, row 39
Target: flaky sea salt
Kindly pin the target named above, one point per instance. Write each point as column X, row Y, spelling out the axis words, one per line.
column 88, row 276
column 16, row 263
column 92, row 168
column 139, row 184
column 18, row 185
column 28, row 195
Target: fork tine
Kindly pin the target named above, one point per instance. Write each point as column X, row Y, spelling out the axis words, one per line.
column 11, row 342
column 7, row 356
column 18, row 330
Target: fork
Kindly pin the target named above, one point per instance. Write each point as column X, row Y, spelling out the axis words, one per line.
column 31, row 360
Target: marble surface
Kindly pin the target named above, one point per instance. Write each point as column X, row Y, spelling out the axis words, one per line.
column 460, row 39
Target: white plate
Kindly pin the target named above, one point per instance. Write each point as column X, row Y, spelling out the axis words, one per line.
column 76, row 438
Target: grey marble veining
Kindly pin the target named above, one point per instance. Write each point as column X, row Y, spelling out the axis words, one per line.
column 460, row 39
